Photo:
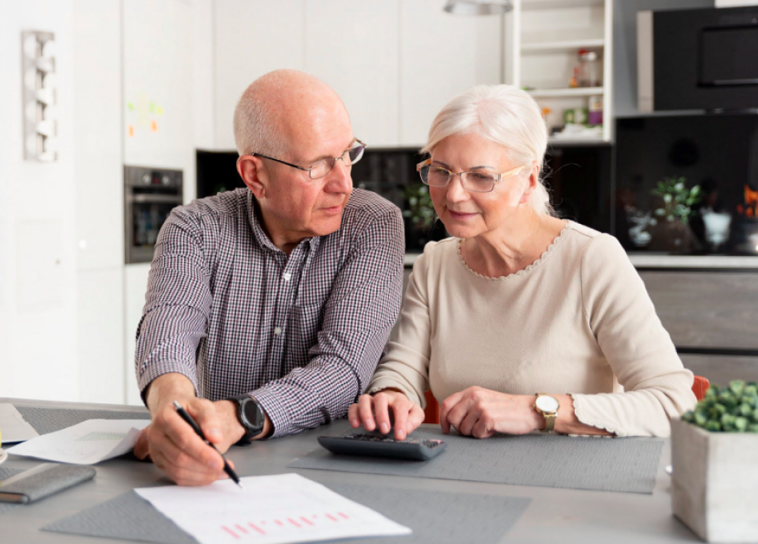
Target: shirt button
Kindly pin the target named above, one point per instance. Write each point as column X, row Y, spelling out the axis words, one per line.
column 287, row 276
column 277, row 331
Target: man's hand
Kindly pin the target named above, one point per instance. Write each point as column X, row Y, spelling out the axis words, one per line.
column 378, row 410
column 480, row 412
column 172, row 444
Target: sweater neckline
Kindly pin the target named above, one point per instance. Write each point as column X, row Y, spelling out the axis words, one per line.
column 542, row 258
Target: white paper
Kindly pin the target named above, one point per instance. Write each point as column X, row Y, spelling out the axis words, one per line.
column 87, row 443
column 269, row 510
column 13, row 426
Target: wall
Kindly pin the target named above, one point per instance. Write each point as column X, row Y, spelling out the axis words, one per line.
column 625, row 47
column 37, row 221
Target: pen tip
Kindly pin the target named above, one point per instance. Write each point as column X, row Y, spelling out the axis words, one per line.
column 240, row 485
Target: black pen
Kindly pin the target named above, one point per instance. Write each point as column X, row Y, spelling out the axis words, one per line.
column 195, row 427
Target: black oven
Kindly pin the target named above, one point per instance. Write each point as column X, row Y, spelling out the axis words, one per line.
column 149, row 196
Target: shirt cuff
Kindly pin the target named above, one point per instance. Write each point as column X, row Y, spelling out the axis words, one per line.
column 154, row 371
column 275, row 410
column 590, row 413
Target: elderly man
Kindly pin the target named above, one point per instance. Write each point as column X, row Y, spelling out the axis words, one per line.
column 268, row 307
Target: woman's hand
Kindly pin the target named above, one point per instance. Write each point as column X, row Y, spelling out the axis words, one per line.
column 482, row 412
column 379, row 410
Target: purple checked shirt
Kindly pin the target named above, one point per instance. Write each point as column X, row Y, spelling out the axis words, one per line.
column 302, row 334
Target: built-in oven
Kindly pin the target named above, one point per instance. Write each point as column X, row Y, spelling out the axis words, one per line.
column 149, row 196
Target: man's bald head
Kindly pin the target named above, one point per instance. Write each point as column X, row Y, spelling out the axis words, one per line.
column 277, row 106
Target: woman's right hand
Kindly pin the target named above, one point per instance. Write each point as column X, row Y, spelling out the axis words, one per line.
column 379, row 410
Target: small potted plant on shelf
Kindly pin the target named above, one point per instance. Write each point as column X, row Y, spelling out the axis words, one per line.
column 674, row 207
column 714, row 450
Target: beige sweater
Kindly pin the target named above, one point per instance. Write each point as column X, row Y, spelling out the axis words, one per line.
column 578, row 320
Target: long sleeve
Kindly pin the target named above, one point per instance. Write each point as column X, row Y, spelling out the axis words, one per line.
column 359, row 314
column 178, row 303
column 636, row 346
column 406, row 364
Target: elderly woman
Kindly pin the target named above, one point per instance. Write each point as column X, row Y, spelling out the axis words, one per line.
column 520, row 321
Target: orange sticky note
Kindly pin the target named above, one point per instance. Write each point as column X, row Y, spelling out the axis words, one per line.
column 131, row 130
column 154, row 126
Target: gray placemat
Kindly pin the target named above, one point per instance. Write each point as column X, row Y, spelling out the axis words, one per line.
column 49, row 420
column 6, row 472
column 625, row 465
column 438, row 517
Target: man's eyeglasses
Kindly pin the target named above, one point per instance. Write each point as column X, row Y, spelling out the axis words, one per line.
column 321, row 168
column 475, row 182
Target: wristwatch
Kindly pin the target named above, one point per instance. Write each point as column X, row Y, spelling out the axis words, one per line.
column 547, row 406
column 250, row 415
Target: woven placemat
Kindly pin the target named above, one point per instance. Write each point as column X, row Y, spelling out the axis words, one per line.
column 49, row 420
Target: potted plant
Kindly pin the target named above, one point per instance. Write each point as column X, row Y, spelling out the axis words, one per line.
column 422, row 225
column 675, row 201
column 714, row 450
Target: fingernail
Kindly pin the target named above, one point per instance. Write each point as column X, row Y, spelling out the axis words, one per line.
column 385, row 428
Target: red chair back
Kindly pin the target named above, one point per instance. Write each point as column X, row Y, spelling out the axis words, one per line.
column 432, row 410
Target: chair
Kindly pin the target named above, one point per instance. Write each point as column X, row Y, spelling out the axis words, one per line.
column 432, row 410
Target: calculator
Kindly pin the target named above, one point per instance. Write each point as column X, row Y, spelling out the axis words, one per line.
column 377, row 445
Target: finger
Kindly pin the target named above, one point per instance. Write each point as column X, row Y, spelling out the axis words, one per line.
column 468, row 421
column 184, row 438
column 381, row 411
column 447, row 405
column 183, row 475
column 415, row 418
column 457, row 413
column 206, row 416
column 180, row 458
column 400, row 408
column 353, row 416
column 366, row 411
column 483, row 428
column 141, row 448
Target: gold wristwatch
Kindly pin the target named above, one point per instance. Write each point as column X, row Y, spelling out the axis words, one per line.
column 547, row 406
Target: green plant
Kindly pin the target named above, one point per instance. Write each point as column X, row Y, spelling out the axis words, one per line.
column 732, row 409
column 420, row 208
column 677, row 198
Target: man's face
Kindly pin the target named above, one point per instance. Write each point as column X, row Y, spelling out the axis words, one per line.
column 296, row 206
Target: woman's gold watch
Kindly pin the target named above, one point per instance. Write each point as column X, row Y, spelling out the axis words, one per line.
column 547, row 406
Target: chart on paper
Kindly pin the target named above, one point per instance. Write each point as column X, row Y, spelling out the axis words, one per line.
column 263, row 527
column 269, row 510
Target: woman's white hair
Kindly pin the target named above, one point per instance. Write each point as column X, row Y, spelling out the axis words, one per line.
column 506, row 115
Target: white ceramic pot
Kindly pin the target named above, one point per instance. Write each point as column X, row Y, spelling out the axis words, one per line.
column 714, row 486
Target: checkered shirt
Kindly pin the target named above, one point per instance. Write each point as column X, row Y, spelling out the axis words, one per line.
column 302, row 334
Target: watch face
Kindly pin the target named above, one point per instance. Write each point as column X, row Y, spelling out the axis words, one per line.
column 253, row 414
column 547, row 403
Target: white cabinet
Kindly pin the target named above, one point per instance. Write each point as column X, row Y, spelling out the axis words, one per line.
column 441, row 55
column 353, row 46
column 135, row 287
column 543, row 48
column 252, row 37
column 394, row 63
column 99, row 200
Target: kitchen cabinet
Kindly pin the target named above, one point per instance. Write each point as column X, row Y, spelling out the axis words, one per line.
column 543, row 51
column 252, row 37
column 441, row 55
column 395, row 63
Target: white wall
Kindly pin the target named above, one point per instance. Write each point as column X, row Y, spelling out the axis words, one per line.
column 37, row 221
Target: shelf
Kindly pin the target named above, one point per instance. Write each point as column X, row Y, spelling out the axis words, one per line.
column 529, row 5
column 564, row 45
column 566, row 93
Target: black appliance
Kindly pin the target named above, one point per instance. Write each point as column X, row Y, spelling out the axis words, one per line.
column 699, row 59
column 718, row 153
column 149, row 196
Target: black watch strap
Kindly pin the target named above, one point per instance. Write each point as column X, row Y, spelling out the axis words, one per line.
column 250, row 415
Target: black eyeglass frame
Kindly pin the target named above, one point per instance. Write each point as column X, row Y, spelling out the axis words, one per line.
column 333, row 159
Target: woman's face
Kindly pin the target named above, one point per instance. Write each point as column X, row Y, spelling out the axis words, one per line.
column 466, row 214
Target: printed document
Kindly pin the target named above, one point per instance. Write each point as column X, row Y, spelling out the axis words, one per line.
column 268, row 510
column 13, row 426
column 86, row 443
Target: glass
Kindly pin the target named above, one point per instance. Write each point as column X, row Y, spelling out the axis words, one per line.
column 321, row 168
column 475, row 182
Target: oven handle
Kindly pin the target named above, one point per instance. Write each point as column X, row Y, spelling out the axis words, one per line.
column 155, row 199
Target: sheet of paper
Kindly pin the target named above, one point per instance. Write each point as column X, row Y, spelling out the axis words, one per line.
column 269, row 510
column 13, row 426
column 86, row 443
